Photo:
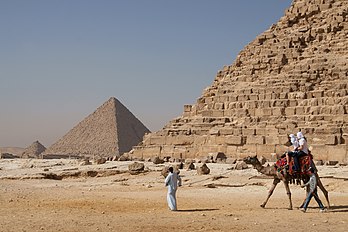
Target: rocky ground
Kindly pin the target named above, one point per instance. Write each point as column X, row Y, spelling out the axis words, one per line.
column 61, row 195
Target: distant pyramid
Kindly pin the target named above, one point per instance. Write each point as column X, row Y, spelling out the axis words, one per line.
column 110, row 131
column 34, row 150
column 292, row 77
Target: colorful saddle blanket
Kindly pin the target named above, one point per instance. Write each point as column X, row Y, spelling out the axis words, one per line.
column 305, row 164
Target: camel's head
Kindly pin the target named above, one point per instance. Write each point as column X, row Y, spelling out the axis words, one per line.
column 251, row 160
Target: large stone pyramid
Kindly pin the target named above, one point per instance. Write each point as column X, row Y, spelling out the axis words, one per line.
column 110, row 131
column 34, row 150
column 291, row 77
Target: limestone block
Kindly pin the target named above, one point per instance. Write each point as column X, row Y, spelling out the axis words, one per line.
column 271, row 131
column 219, row 106
column 266, row 112
column 255, row 139
column 187, row 108
column 338, row 109
column 320, row 152
column 254, row 97
column 226, row 131
column 258, row 112
column 231, row 151
column 242, row 98
column 251, row 112
column 278, row 111
column 260, row 131
column 237, row 131
column 207, row 113
column 293, row 103
column 271, row 140
column 233, row 140
column 183, row 140
column 289, row 111
column 246, row 150
column 324, row 139
column 248, row 131
column 300, row 110
column 217, row 113
column 337, row 152
column 324, row 7
column 265, row 150
column 157, row 140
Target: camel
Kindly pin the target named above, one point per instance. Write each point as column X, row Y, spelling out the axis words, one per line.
column 277, row 177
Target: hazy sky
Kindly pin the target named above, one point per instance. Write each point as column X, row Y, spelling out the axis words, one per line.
column 61, row 59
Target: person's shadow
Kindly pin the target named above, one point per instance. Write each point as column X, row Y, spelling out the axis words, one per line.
column 195, row 210
column 338, row 208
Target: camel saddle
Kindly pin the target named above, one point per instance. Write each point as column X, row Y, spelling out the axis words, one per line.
column 304, row 161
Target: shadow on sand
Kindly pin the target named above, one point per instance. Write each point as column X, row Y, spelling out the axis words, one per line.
column 339, row 208
column 195, row 210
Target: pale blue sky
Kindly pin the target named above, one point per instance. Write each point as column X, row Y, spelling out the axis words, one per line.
column 61, row 59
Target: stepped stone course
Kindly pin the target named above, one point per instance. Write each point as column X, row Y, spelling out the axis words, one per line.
column 292, row 77
column 110, row 131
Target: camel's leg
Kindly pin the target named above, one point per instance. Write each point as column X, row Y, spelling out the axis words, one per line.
column 325, row 192
column 270, row 192
column 286, row 184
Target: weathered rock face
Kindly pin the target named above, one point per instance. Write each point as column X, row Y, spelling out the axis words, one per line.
column 110, row 131
column 34, row 150
column 292, row 77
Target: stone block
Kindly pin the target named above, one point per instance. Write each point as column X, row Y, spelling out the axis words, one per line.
column 254, row 97
column 292, row 103
column 233, row 140
column 271, row 140
column 278, row 111
column 300, row 110
column 226, row 131
column 289, row 111
column 157, row 140
column 217, row 113
column 231, row 151
column 266, row 112
column 248, row 131
column 206, row 113
column 260, row 131
column 228, row 113
column 187, row 108
column 255, row 139
column 219, row 106
column 323, row 139
column 265, row 150
column 242, row 98
column 182, row 140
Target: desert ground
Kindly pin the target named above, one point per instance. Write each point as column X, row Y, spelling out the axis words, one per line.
column 111, row 199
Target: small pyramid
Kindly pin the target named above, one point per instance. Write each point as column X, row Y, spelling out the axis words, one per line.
column 109, row 131
column 34, row 150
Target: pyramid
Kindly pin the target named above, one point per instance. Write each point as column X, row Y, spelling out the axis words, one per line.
column 110, row 131
column 292, row 77
column 34, row 150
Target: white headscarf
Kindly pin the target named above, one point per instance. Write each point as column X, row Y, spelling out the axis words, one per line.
column 292, row 138
column 300, row 135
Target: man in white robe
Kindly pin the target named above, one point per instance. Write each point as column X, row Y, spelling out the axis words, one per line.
column 172, row 181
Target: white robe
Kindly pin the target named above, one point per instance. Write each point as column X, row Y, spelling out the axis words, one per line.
column 172, row 181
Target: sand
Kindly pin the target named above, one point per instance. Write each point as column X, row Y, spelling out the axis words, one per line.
column 125, row 202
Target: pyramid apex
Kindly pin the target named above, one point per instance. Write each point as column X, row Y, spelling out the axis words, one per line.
column 113, row 99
